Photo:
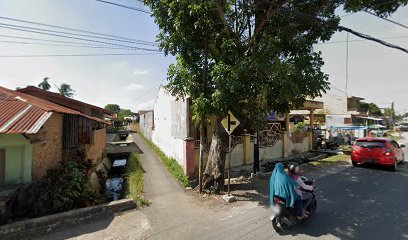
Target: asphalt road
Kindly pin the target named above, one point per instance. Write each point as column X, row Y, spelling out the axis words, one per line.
column 365, row 202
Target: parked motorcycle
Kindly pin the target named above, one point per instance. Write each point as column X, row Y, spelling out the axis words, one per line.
column 284, row 217
column 323, row 143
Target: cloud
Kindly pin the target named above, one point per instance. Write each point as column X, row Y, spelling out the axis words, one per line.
column 140, row 72
column 148, row 105
column 134, row 87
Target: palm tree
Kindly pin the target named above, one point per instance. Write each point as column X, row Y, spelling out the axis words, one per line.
column 66, row 90
column 44, row 84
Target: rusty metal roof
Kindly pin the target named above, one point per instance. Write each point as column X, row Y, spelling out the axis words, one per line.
column 23, row 113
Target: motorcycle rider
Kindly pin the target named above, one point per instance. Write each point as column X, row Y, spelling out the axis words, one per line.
column 281, row 185
column 294, row 172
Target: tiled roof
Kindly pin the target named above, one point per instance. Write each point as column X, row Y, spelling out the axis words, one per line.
column 22, row 113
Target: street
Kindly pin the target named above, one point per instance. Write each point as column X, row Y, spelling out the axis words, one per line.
column 366, row 202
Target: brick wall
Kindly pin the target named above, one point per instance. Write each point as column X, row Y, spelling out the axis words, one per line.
column 98, row 142
column 47, row 150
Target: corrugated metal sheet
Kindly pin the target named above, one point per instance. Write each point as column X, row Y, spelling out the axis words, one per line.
column 22, row 113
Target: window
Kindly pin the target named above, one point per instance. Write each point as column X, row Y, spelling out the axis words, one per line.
column 371, row 144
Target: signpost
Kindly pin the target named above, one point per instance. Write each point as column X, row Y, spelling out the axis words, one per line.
column 229, row 123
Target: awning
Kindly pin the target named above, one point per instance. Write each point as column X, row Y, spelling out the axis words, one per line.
column 350, row 128
column 368, row 118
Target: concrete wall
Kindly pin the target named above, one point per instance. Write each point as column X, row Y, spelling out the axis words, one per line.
column 146, row 124
column 19, row 141
column 47, row 146
column 170, row 125
column 294, row 148
column 271, row 152
column 95, row 150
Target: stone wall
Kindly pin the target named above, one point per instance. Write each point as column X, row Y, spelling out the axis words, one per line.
column 47, row 150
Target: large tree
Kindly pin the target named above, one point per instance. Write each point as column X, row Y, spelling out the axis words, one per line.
column 115, row 108
column 248, row 56
column 45, row 84
column 66, row 90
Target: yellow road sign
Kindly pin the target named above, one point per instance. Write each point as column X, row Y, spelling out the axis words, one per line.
column 230, row 122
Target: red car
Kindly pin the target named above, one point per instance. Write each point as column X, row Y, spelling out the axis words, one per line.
column 382, row 151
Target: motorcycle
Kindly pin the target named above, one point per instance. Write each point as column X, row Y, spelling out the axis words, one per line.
column 284, row 217
column 322, row 143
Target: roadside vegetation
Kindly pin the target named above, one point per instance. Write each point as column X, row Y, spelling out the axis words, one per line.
column 134, row 180
column 171, row 164
column 341, row 158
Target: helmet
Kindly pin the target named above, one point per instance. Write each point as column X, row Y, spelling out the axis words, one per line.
column 292, row 167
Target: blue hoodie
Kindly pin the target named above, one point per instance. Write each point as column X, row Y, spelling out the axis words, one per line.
column 283, row 186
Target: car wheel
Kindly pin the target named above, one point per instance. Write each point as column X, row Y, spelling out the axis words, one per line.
column 354, row 163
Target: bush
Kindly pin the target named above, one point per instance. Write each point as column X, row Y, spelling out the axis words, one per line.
column 67, row 187
column 299, row 127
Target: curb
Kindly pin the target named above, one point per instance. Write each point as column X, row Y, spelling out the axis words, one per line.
column 50, row 222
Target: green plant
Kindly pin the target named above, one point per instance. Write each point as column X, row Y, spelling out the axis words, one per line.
column 170, row 163
column 134, row 180
column 67, row 186
column 299, row 127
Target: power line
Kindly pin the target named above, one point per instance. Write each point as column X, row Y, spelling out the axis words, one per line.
column 74, row 29
column 77, row 38
column 360, row 40
column 64, row 45
column 154, row 86
column 54, row 41
column 125, row 6
column 77, row 34
column 76, row 55
column 388, row 20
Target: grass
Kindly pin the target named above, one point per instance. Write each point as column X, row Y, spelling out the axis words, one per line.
column 170, row 163
column 134, row 180
column 331, row 160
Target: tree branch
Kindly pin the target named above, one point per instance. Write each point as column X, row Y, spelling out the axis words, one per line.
column 274, row 7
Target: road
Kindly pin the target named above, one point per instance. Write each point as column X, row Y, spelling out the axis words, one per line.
column 364, row 202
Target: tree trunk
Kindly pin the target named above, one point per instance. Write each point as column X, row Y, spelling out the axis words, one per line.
column 214, row 170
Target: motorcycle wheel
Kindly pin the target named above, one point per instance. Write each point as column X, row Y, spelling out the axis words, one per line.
column 275, row 224
column 313, row 207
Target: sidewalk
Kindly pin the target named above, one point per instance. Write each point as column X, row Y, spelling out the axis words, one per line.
column 173, row 214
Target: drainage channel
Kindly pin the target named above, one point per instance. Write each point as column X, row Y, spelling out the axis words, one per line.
column 120, row 147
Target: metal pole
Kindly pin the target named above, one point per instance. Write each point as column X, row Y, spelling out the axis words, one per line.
column 229, row 162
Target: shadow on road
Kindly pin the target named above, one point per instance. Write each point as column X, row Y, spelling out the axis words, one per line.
column 366, row 202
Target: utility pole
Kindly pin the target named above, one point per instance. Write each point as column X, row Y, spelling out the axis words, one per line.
column 202, row 124
column 393, row 115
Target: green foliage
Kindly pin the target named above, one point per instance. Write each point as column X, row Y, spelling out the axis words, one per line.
column 134, row 180
column 66, row 90
column 372, row 108
column 114, row 108
column 267, row 64
column 170, row 163
column 125, row 113
column 336, row 159
column 45, row 84
column 299, row 127
column 67, row 186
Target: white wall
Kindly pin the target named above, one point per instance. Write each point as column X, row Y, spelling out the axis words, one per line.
column 334, row 101
column 271, row 152
column 298, row 147
column 164, row 122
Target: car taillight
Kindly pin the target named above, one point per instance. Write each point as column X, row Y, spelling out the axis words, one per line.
column 388, row 152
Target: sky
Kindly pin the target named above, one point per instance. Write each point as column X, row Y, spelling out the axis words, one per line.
column 376, row 73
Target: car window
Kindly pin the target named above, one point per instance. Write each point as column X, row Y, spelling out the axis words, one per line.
column 394, row 143
column 371, row 144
